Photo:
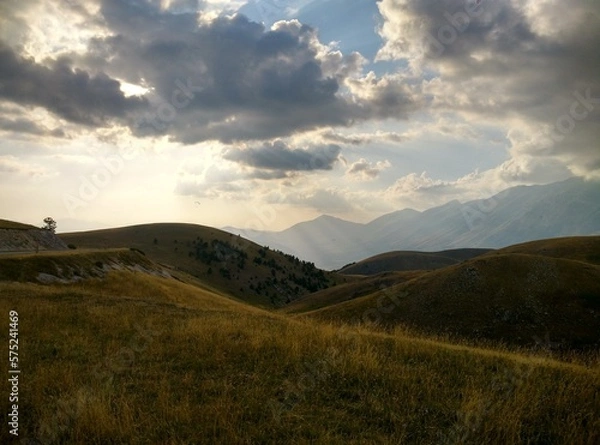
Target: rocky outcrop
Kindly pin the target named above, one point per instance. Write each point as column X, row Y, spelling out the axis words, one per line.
column 29, row 240
column 73, row 266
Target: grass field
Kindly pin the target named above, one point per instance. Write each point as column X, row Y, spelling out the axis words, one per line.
column 140, row 359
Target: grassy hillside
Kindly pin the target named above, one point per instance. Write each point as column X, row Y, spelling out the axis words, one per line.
column 230, row 263
column 405, row 261
column 357, row 287
column 513, row 298
column 134, row 358
column 581, row 248
column 6, row 224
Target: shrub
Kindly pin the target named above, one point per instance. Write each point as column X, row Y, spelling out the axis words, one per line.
column 134, row 249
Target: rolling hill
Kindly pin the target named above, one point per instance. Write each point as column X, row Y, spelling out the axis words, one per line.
column 357, row 287
column 581, row 248
column 134, row 357
column 504, row 296
column 405, row 261
column 229, row 263
column 6, row 224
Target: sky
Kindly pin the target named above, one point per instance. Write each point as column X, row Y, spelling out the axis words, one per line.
column 265, row 113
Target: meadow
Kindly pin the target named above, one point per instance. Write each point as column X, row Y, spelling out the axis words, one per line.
column 134, row 358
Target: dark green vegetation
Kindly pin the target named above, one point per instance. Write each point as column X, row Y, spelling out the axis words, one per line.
column 230, row 263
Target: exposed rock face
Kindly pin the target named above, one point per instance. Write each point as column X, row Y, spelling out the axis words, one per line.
column 74, row 266
column 69, row 273
column 29, row 240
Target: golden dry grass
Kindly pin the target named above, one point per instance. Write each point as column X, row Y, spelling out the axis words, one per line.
column 140, row 359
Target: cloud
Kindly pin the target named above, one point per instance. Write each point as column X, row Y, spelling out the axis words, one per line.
column 366, row 170
column 26, row 126
column 323, row 200
column 72, row 94
column 12, row 165
column 522, row 65
column 279, row 156
column 365, row 138
column 415, row 183
column 208, row 77
column 421, row 191
column 242, row 80
column 201, row 189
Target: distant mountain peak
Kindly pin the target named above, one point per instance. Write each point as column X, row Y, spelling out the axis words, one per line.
column 515, row 215
column 329, row 218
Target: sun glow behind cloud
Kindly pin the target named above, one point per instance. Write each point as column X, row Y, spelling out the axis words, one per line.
column 227, row 112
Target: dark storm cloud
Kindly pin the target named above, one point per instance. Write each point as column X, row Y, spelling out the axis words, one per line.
column 279, row 156
column 226, row 79
column 70, row 93
column 147, row 20
column 507, row 59
column 244, row 82
column 537, row 54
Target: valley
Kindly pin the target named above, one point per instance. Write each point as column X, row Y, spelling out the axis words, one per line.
column 128, row 340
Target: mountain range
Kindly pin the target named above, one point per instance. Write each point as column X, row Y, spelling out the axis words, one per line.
column 515, row 215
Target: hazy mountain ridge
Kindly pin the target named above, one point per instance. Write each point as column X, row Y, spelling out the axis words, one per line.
column 515, row 215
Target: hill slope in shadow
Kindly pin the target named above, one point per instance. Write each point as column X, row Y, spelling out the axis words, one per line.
column 514, row 298
column 406, row 260
column 234, row 265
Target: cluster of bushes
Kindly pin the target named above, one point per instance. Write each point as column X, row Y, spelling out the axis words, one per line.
column 219, row 252
column 286, row 281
